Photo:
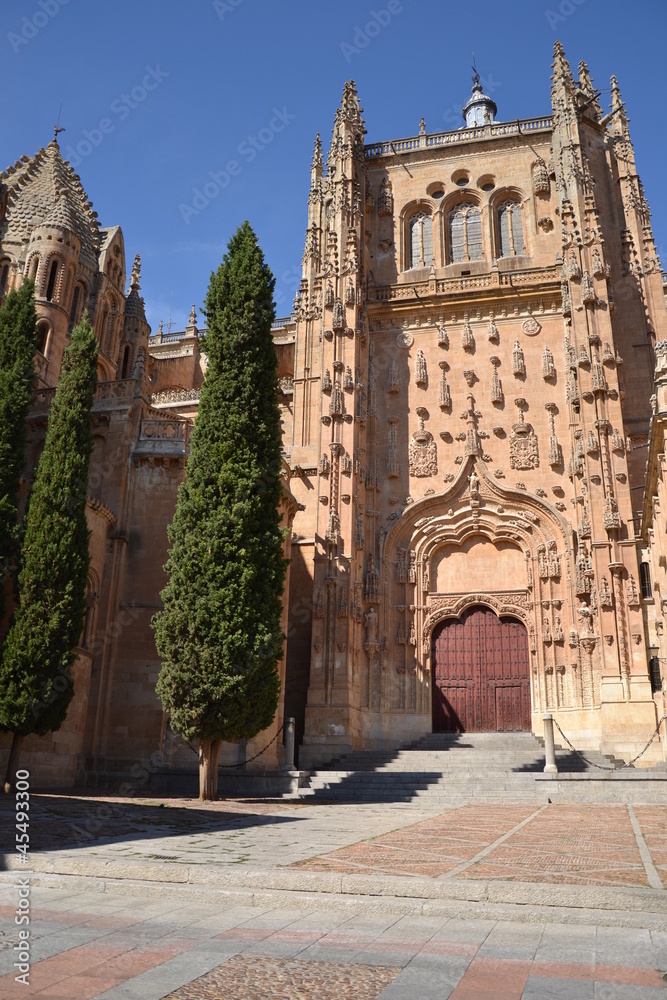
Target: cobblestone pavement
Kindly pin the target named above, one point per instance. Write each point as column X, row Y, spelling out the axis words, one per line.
column 101, row 934
column 95, row 946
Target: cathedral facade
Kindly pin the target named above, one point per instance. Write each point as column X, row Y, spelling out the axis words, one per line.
column 465, row 385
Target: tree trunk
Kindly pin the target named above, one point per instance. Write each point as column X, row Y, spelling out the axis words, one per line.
column 209, row 752
column 10, row 776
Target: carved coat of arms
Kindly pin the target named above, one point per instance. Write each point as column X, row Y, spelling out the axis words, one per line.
column 423, row 454
column 523, row 446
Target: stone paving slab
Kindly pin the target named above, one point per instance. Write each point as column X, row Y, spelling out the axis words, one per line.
column 291, row 953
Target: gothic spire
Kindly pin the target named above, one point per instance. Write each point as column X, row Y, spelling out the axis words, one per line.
column 618, row 116
column 588, row 91
column 562, row 73
column 317, row 153
column 350, row 111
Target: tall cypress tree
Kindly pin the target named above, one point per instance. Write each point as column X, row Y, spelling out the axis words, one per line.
column 219, row 635
column 18, row 322
column 36, row 684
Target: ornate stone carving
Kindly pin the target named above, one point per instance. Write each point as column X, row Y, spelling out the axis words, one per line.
column 323, row 467
column 405, row 339
column 470, row 377
column 338, row 320
column 412, row 566
column 326, row 381
column 632, row 593
column 518, row 362
column 588, row 289
column 422, row 451
column 558, row 630
column 531, row 327
column 492, row 332
column 467, row 337
column 573, row 267
column 444, row 395
column 386, row 198
column 611, row 517
column 605, row 594
column 393, row 470
column 393, row 383
column 421, row 375
column 401, row 567
column 496, row 387
column 617, row 442
column 371, row 582
column 523, row 446
column 540, row 177
column 443, row 339
column 548, row 366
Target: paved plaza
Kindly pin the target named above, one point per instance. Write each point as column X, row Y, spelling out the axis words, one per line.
column 148, row 899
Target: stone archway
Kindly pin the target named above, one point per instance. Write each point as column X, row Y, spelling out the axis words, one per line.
column 480, row 673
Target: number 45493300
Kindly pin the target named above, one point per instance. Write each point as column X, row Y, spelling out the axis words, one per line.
column 22, row 818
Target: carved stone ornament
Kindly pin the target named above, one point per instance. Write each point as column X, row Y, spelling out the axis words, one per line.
column 422, row 454
column 405, row 339
column 518, row 362
column 523, row 446
column 531, row 327
column 605, row 594
column 421, row 376
column 467, row 337
column 632, row 593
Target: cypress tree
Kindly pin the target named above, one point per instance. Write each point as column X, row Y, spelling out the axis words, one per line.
column 219, row 635
column 18, row 322
column 36, row 684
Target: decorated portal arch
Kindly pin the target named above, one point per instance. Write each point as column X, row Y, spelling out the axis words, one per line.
column 479, row 544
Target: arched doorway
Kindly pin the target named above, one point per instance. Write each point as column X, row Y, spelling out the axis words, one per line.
column 481, row 674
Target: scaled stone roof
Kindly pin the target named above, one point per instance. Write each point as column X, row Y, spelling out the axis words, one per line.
column 44, row 189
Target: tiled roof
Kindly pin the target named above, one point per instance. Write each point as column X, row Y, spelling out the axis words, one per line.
column 44, row 189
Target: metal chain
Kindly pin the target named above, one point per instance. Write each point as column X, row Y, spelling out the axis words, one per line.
column 603, row 767
column 244, row 762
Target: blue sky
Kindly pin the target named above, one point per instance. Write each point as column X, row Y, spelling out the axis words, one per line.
column 158, row 95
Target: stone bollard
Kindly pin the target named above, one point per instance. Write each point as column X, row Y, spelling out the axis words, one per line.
column 289, row 745
column 550, row 765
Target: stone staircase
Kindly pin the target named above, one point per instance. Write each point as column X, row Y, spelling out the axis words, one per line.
column 452, row 769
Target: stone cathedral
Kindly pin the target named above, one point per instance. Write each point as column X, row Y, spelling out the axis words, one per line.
column 465, row 384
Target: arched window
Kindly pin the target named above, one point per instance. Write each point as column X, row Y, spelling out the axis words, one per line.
column 51, row 284
column 77, row 305
column 421, row 240
column 125, row 367
column 34, row 267
column 103, row 329
column 4, row 275
column 42, row 340
column 645, row 580
column 510, row 229
column 465, row 233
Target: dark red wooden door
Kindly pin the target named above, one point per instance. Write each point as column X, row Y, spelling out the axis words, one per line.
column 481, row 674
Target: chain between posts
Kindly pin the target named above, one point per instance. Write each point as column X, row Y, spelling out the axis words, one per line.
column 603, row 767
column 244, row 762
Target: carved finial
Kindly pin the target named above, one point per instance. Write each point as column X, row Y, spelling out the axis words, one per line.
column 562, row 71
column 136, row 273
column 422, row 127
column 192, row 322
column 317, row 152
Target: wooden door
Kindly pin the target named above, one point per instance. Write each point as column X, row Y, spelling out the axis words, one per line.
column 481, row 674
